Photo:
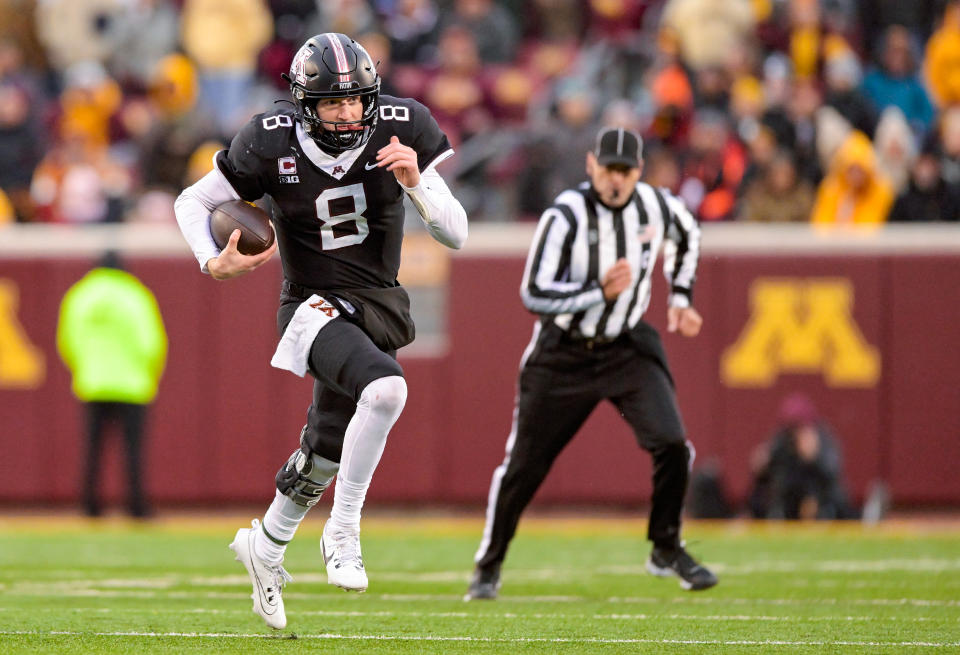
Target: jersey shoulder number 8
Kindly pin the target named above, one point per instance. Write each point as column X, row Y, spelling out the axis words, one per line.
column 394, row 113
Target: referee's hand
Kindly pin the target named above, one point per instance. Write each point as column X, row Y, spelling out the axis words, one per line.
column 616, row 279
column 685, row 320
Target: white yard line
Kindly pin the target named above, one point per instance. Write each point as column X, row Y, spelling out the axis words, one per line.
column 505, row 615
column 558, row 575
column 499, row 640
column 53, row 590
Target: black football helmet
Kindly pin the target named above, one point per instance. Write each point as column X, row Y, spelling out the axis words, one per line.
column 333, row 65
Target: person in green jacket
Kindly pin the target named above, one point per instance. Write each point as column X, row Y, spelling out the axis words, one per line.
column 111, row 336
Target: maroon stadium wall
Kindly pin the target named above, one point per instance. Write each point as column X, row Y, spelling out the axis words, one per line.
column 868, row 331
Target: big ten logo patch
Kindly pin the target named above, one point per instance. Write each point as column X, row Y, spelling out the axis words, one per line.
column 22, row 364
column 801, row 326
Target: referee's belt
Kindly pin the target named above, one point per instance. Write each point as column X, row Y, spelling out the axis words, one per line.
column 594, row 343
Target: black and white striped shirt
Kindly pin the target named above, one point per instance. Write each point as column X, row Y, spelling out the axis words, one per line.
column 578, row 239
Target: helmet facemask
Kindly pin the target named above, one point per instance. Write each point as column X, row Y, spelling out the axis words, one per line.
column 335, row 136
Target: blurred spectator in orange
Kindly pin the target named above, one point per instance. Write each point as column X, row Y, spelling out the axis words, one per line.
column 942, row 61
column 709, row 29
column 7, row 215
column 669, row 82
column 493, row 28
column 927, row 196
column 713, row 167
column 224, row 38
column 896, row 148
column 88, row 104
column 412, row 27
column 895, row 82
column 777, row 194
column 805, row 37
column 842, row 76
column 671, row 94
column 79, row 179
column 173, row 86
column 853, row 192
column 171, row 131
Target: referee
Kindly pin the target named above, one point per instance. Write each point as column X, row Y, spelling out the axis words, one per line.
column 588, row 276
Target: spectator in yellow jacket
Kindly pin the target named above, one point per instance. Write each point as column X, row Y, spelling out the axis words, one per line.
column 853, row 192
column 942, row 61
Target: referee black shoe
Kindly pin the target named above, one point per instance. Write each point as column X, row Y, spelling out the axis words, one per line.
column 677, row 561
column 484, row 585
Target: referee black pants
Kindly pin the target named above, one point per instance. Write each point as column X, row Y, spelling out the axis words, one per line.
column 561, row 381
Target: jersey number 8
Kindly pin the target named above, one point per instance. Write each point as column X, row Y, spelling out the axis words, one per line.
column 349, row 203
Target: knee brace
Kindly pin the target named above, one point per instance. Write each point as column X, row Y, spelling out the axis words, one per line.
column 305, row 475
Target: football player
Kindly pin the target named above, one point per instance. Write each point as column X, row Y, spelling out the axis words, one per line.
column 338, row 165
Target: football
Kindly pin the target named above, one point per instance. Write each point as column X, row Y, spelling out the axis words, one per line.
column 256, row 233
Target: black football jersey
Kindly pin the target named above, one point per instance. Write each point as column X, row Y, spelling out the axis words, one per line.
column 339, row 223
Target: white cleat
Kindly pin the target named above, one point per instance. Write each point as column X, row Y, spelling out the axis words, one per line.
column 267, row 579
column 341, row 554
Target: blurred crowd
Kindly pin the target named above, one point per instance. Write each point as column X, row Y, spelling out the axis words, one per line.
column 830, row 111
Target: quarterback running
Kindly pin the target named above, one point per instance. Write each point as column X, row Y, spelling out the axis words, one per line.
column 337, row 165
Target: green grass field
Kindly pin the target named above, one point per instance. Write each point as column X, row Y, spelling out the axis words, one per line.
column 171, row 586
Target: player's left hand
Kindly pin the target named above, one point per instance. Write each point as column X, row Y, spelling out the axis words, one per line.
column 686, row 320
column 402, row 160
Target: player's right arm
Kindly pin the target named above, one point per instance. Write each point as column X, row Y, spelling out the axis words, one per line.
column 235, row 175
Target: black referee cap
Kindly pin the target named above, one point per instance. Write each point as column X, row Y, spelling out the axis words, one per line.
column 616, row 145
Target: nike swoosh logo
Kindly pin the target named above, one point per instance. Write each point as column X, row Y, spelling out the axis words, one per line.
column 369, row 167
